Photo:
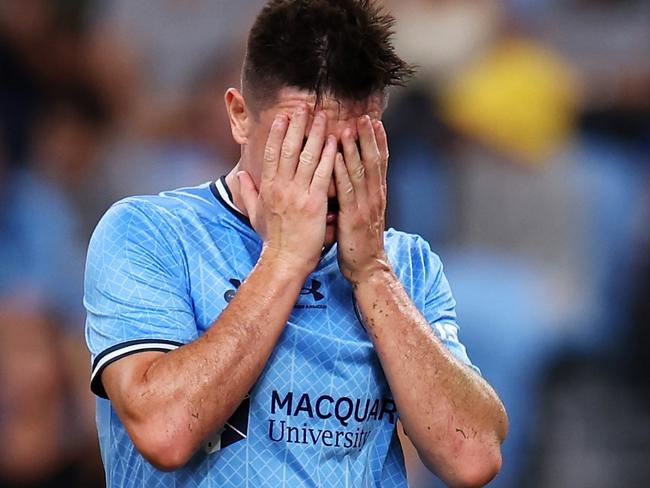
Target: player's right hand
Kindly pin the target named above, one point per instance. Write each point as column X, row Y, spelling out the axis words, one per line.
column 289, row 208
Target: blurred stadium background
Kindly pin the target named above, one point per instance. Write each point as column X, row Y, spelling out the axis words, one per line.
column 521, row 152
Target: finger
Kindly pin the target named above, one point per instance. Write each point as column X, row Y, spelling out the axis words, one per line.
column 249, row 194
column 311, row 153
column 382, row 145
column 344, row 188
column 370, row 156
column 292, row 144
column 323, row 174
column 355, row 169
column 274, row 147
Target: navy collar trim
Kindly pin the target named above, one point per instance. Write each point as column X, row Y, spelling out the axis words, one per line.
column 222, row 193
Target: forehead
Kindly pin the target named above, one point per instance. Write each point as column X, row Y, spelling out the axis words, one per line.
column 288, row 99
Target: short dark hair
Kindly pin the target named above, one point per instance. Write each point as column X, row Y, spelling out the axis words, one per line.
column 342, row 48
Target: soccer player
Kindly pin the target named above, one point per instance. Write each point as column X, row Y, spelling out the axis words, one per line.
column 263, row 329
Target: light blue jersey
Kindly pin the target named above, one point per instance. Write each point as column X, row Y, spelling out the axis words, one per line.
column 161, row 269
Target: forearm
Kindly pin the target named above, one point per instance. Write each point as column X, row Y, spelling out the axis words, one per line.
column 453, row 416
column 182, row 397
column 189, row 393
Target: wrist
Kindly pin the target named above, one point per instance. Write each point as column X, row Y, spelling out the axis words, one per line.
column 379, row 270
column 285, row 265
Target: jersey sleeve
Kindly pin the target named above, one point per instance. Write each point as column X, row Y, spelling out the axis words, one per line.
column 440, row 306
column 136, row 287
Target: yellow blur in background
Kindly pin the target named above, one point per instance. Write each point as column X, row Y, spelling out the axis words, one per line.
column 520, row 98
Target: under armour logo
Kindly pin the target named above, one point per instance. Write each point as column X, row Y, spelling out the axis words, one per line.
column 313, row 290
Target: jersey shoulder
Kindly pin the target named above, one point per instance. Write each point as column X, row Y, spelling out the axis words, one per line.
column 165, row 212
column 196, row 199
column 409, row 253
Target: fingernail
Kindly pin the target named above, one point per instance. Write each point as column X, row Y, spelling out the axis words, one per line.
column 300, row 110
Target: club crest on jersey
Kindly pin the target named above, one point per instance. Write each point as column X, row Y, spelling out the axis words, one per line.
column 234, row 430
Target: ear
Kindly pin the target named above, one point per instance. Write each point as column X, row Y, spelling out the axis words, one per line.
column 238, row 114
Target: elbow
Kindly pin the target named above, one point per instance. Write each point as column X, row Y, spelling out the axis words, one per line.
column 162, row 449
column 477, row 472
column 478, row 463
column 165, row 458
column 469, row 468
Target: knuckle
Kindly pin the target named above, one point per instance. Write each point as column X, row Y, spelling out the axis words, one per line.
column 320, row 173
column 296, row 121
column 307, row 157
column 269, row 154
column 359, row 172
column 289, row 152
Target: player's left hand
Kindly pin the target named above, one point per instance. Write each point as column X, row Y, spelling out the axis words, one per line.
column 360, row 175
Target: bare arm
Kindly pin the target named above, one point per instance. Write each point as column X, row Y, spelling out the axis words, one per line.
column 169, row 403
column 453, row 417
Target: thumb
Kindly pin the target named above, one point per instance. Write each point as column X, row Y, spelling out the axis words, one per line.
column 249, row 194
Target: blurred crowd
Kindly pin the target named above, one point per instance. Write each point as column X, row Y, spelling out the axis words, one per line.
column 521, row 151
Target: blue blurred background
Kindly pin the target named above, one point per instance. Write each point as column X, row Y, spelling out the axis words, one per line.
column 521, row 152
